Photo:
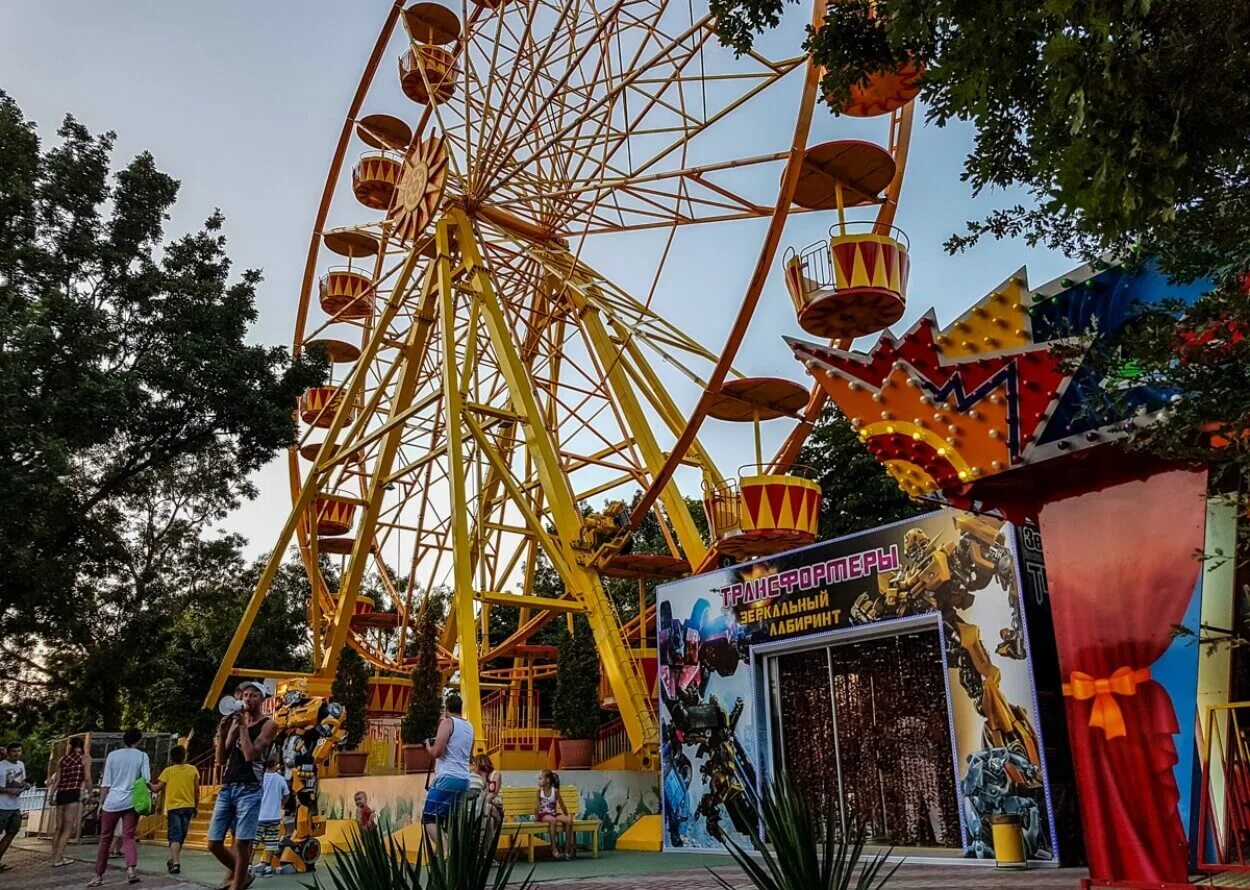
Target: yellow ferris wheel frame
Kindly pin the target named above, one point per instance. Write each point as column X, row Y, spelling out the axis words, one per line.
column 444, row 297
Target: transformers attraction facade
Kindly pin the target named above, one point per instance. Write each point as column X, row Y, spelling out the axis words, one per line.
column 889, row 672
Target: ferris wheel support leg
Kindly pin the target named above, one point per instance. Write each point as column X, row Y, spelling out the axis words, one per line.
column 622, row 673
column 462, row 542
column 606, row 351
column 228, row 661
column 653, row 388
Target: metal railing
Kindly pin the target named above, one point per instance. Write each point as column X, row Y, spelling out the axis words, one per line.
column 801, row 471
column 723, row 507
column 208, row 768
column 613, row 741
column 32, row 799
column 510, row 719
column 808, row 271
column 1224, row 821
column 867, row 227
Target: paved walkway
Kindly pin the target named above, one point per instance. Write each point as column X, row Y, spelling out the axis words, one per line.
column 30, row 870
column 614, row 871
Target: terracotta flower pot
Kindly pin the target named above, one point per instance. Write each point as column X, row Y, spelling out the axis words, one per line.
column 351, row 763
column 417, row 759
column 576, row 753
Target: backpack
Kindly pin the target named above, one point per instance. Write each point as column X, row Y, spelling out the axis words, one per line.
column 141, row 797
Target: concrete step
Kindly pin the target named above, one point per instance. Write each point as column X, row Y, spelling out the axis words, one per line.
column 197, row 832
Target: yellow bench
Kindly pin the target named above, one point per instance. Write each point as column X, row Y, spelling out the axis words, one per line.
column 521, row 802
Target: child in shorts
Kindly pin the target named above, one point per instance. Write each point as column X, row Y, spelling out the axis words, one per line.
column 273, row 794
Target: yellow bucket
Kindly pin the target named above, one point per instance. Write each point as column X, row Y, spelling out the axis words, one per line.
column 1008, row 842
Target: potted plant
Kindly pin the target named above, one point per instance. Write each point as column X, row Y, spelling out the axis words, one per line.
column 351, row 690
column 426, row 706
column 576, row 707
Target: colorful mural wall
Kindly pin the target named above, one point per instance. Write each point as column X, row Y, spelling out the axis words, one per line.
column 952, row 573
column 616, row 798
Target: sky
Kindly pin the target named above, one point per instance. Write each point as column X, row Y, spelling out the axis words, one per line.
column 242, row 101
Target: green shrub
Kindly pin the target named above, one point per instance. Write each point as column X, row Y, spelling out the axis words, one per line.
column 576, row 708
column 462, row 859
column 351, row 690
column 426, row 705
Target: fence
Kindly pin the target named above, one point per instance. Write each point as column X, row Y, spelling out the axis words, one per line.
column 1224, row 828
column 511, row 719
column 32, row 799
column 613, row 741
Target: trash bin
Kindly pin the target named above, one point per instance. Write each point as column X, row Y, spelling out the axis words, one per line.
column 1008, row 841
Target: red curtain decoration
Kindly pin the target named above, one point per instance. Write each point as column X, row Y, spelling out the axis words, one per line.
column 1121, row 565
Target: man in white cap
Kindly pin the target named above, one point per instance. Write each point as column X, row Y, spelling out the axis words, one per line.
column 243, row 739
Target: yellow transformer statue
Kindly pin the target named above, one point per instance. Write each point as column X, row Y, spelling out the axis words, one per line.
column 606, row 527
column 944, row 577
column 310, row 728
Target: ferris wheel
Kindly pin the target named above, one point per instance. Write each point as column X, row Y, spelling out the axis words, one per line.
column 490, row 386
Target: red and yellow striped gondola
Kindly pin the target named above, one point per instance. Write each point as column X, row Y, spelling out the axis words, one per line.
column 389, row 696
column 346, row 294
column 335, row 515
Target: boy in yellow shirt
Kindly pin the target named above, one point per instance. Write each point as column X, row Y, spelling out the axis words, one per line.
column 180, row 783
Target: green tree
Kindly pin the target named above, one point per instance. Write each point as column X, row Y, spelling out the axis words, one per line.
column 576, row 708
column 1128, row 123
column 132, row 410
column 425, row 707
column 856, row 493
column 122, row 357
column 351, row 690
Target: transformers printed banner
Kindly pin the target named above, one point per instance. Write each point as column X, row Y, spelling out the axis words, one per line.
column 716, row 634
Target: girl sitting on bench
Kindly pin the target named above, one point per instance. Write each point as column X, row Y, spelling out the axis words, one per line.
column 552, row 811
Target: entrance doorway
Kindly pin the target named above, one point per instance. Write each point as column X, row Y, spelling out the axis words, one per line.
column 863, row 726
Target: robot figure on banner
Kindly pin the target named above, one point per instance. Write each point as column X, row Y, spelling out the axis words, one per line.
column 692, row 652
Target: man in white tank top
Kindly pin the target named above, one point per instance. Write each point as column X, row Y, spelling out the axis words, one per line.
column 452, row 749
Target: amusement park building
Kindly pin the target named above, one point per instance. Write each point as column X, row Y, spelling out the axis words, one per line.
column 1096, row 714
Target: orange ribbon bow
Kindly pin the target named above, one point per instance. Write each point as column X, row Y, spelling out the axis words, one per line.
column 1106, row 713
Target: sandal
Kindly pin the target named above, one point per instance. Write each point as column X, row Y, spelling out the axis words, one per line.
column 62, row 862
column 132, row 876
column 97, row 881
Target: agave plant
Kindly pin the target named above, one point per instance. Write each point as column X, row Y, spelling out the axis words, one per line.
column 462, row 856
column 373, row 860
column 803, row 850
column 461, row 859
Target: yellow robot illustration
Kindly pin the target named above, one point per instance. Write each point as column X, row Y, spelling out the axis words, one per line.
column 945, row 577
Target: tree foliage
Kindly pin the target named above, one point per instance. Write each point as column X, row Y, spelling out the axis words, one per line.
column 132, row 409
column 424, row 708
column 576, row 711
column 351, row 690
column 1126, row 121
column 122, row 357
